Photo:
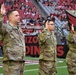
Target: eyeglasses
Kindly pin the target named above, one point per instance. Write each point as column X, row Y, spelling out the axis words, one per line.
column 51, row 24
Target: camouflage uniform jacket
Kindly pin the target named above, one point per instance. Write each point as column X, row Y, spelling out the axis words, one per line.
column 13, row 42
column 71, row 41
column 47, row 42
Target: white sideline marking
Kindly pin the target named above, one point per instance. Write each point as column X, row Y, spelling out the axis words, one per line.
column 33, row 63
column 37, row 69
column 30, row 70
column 62, row 67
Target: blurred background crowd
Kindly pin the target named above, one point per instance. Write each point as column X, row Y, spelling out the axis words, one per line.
column 34, row 13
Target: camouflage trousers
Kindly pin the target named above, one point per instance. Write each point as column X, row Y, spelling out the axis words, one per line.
column 47, row 68
column 13, row 68
column 71, row 63
column 71, row 68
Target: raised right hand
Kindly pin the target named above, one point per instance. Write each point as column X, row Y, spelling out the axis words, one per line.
column 3, row 10
column 72, row 27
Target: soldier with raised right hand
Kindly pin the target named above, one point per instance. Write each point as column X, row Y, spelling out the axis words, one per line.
column 71, row 55
column 47, row 43
column 13, row 43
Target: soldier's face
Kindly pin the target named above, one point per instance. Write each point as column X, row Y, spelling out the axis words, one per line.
column 50, row 25
column 15, row 17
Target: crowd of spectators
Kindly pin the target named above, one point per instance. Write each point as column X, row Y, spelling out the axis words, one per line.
column 32, row 21
column 30, row 16
column 61, row 6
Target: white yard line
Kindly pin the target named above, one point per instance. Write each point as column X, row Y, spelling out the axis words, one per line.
column 37, row 69
column 34, row 63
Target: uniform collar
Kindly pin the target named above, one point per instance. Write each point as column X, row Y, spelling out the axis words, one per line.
column 14, row 27
column 49, row 32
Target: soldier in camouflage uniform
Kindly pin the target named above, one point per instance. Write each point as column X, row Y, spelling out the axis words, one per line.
column 47, row 42
column 71, row 55
column 13, row 43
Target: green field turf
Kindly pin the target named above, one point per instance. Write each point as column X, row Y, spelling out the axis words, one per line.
column 32, row 69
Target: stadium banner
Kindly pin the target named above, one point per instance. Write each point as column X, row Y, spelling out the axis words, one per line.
column 32, row 47
column 71, row 17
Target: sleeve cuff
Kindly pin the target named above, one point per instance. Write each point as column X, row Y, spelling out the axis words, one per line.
column 1, row 17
